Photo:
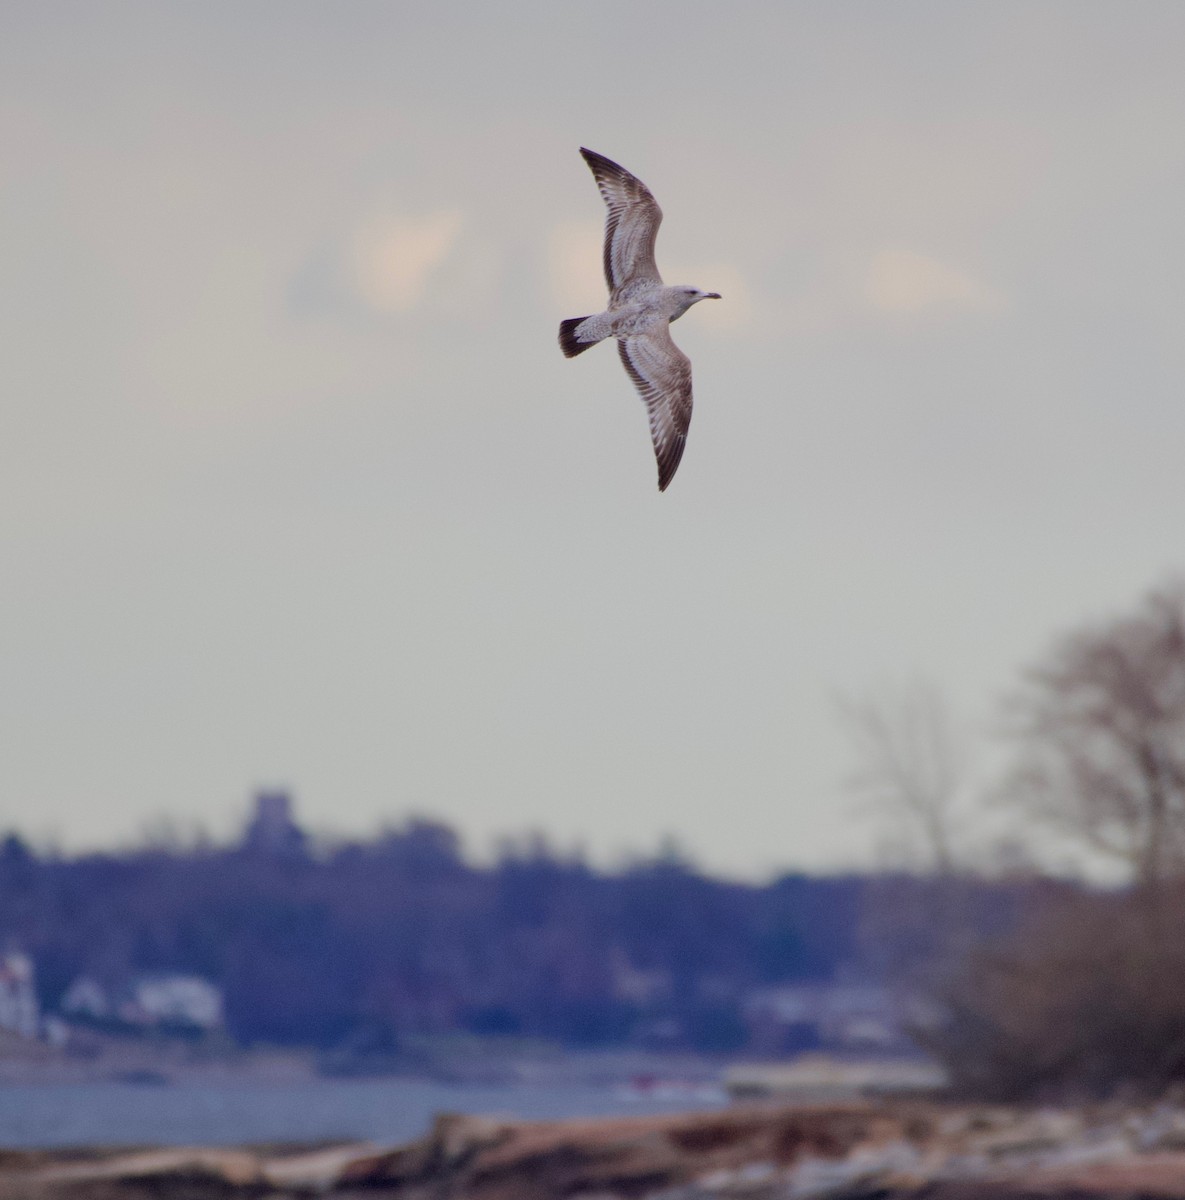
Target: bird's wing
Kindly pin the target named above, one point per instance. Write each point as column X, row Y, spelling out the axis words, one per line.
column 632, row 224
column 662, row 374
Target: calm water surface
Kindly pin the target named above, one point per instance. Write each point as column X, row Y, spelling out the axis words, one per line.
column 382, row 1110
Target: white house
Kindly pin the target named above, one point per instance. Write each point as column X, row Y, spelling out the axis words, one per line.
column 173, row 1000
column 85, row 998
column 147, row 1000
column 842, row 1016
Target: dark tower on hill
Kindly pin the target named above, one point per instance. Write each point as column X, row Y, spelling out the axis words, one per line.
column 272, row 831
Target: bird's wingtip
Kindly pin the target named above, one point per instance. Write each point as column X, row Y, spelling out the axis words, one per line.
column 667, row 467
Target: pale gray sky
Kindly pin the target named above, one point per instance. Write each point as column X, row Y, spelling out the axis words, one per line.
column 296, row 487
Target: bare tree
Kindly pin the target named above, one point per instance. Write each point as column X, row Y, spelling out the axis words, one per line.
column 1083, row 992
column 1102, row 728
column 911, row 767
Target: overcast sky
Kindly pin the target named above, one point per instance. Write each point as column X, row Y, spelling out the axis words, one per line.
column 297, row 489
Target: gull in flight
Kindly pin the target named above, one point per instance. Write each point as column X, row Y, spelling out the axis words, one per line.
column 641, row 309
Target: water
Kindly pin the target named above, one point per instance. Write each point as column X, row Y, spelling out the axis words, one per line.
column 380, row 1110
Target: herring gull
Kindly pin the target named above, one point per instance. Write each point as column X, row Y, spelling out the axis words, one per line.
column 641, row 309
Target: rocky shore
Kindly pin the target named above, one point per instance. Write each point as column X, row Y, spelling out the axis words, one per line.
column 858, row 1151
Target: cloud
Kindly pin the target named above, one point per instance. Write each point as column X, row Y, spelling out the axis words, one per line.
column 574, row 264
column 904, row 282
column 392, row 259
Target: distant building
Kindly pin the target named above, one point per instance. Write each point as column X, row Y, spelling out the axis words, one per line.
column 85, row 997
column 185, row 1000
column 147, row 1001
column 271, row 830
column 19, row 1012
column 850, row 1016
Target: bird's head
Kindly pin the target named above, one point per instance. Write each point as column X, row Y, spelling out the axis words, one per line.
column 685, row 297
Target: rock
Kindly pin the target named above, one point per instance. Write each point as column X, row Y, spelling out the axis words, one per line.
column 236, row 1169
column 858, row 1151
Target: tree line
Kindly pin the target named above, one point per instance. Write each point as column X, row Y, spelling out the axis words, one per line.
column 399, row 934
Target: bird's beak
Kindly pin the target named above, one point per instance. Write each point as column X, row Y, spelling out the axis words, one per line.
column 712, row 296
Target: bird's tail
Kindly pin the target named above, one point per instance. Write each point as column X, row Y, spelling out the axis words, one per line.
column 570, row 344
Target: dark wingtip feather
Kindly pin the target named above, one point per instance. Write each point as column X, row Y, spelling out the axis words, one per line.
column 599, row 163
column 569, row 343
column 669, row 463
